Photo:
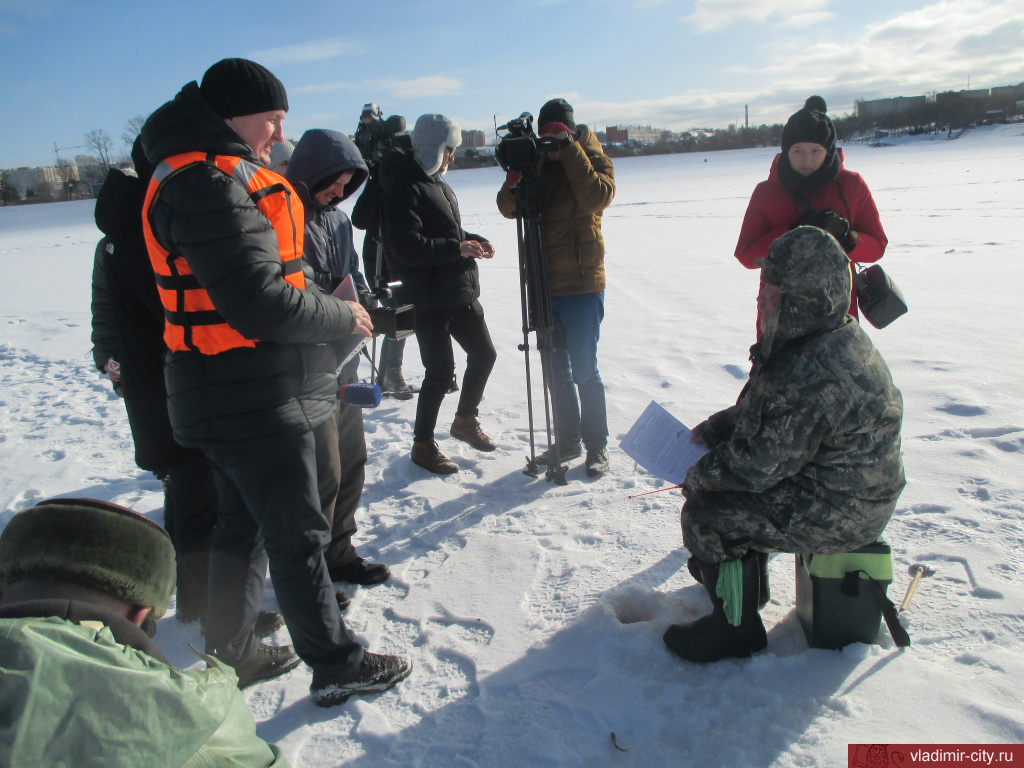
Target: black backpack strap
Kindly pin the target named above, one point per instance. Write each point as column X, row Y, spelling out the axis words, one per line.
column 889, row 613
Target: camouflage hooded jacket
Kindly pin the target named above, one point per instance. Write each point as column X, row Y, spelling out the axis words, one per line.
column 816, row 430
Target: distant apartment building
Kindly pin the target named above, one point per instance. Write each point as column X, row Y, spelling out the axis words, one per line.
column 24, row 179
column 641, row 134
column 879, row 107
column 474, row 139
column 89, row 169
column 1008, row 92
column 976, row 94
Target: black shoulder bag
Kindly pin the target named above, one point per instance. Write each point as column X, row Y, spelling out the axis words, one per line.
column 880, row 300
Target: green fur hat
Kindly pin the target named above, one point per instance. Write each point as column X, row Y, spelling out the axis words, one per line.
column 97, row 544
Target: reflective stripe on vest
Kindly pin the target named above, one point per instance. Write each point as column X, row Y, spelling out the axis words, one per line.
column 191, row 322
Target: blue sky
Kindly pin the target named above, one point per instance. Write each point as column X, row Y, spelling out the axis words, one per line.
column 70, row 66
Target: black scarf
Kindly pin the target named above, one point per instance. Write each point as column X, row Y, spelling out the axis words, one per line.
column 794, row 182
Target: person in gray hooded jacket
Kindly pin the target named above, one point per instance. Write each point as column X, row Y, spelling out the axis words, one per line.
column 325, row 169
column 808, row 460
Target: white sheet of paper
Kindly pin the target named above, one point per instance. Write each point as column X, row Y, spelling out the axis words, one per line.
column 662, row 444
column 346, row 291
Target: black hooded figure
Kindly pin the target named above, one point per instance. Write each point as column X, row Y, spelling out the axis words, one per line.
column 126, row 302
column 325, row 169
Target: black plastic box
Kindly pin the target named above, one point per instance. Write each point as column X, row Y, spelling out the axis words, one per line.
column 835, row 608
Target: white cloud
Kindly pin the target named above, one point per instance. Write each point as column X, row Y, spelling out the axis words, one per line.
column 713, row 15
column 324, row 87
column 431, row 85
column 935, row 47
column 314, row 50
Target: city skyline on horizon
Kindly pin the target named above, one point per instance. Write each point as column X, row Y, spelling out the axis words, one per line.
column 670, row 64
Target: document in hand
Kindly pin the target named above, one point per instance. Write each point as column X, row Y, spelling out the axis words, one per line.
column 354, row 344
column 662, row 444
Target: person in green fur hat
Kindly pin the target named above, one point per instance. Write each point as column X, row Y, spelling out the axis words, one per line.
column 79, row 580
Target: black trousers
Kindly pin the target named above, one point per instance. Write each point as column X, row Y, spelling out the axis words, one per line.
column 190, row 513
column 341, row 472
column 435, row 329
column 270, row 512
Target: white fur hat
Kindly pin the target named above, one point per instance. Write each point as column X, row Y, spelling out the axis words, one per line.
column 429, row 138
column 281, row 152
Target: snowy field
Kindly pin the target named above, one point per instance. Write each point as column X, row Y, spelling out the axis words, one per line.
column 533, row 613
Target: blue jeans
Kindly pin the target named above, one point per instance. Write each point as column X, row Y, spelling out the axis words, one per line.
column 574, row 367
column 391, row 351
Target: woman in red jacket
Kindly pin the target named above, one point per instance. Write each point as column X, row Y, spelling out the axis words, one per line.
column 809, row 185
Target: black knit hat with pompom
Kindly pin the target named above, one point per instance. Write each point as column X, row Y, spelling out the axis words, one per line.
column 810, row 124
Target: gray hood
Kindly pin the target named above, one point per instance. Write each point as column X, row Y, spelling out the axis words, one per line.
column 813, row 275
column 319, row 158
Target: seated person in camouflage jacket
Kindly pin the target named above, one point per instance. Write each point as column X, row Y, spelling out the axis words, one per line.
column 808, row 460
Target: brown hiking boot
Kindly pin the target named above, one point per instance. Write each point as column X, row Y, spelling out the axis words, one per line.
column 467, row 429
column 392, row 383
column 428, row 455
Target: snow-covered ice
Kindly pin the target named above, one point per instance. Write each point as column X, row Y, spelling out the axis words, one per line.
column 533, row 612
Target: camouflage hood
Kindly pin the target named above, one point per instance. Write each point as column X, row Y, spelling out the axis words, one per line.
column 813, row 275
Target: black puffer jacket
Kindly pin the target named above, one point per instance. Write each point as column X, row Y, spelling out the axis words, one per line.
column 286, row 384
column 138, row 320
column 423, row 235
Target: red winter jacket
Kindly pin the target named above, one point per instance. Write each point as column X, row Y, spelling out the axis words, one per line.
column 772, row 211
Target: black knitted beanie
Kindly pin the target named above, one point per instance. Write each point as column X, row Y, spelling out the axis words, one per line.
column 810, row 124
column 96, row 544
column 557, row 111
column 236, row 87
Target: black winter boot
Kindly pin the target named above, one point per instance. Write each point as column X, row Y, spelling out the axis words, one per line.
column 764, row 591
column 712, row 637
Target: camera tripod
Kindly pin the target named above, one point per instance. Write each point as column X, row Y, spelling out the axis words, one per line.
column 535, row 298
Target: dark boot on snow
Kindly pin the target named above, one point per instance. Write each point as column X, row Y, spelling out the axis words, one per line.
column 392, row 383
column 764, row 591
column 712, row 637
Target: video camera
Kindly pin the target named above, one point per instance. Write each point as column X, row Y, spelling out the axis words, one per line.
column 375, row 135
column 394, row 322
column 520, row 147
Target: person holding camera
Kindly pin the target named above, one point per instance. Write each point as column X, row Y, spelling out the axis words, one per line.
column 576, row 183
column 436, row 261
column 375, row 136
column 808, row 184
column 325, row 169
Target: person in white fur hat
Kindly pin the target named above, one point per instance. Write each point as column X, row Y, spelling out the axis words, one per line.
column 436, row 261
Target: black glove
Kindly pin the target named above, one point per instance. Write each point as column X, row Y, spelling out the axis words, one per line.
column 834, row 224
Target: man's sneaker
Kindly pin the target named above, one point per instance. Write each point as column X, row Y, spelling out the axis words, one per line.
column 376, row 673
column 426, row 454
column 597, row 462
column 454, row 386
column 267, row 623
column 565, row 453
column 467, row 429
column 268, row 662
column 359, row 571
column 393, row 382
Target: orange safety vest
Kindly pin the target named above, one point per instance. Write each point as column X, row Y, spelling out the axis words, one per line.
column 191, row 322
